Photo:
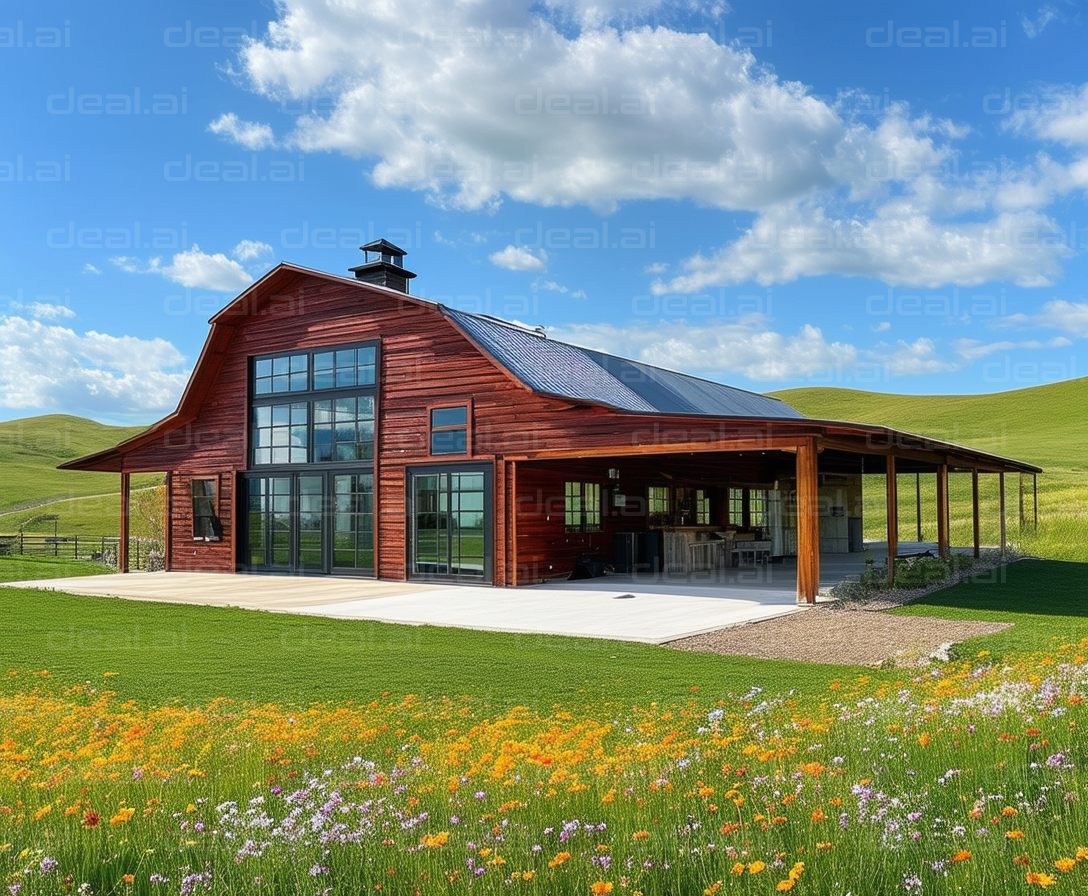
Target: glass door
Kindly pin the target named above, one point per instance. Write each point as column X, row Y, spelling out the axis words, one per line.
column 450, row 525
column 314, row 522
column 311, row 523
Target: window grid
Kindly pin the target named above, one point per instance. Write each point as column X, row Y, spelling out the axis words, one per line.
column 757, row 507
column 582, row 506
column 312, row 428
column 702, row 508
column 657, row 499
column 736, row 506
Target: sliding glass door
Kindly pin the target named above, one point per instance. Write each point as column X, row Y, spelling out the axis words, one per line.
column 450, row 523
column 314, row 522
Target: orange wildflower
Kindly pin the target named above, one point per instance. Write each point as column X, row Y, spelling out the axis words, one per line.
column 432, row 841
column 640, row 835
column 729, row 828
column 128, row 878
column 784, row 885
column 1065, row 864
column 713, row 888
column 1014, row 835
column 823, row 845
column 91, row 819
column 122, row 816
column 756, row 867
column 1040, row 879
column 1009, row 810
column 818, row 815
column 738, row 868
column 962, row 856
column 1082, row 854
column 559, row 859
column 601, row 888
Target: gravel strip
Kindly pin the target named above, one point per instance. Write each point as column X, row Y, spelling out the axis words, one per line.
column 850, row 633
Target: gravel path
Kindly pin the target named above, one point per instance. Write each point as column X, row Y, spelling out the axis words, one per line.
column 848, row 633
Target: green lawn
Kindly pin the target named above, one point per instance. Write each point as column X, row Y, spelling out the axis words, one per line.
column 171, row 651
column 25, row 569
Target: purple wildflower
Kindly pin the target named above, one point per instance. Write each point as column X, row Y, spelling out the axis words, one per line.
column 48, row 864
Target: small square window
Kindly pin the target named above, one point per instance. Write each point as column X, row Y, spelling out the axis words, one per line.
column 449, row 430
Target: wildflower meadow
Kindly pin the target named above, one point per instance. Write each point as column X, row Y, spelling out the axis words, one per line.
column 964, row 777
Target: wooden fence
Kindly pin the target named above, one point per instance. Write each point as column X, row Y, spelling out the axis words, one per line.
column 143, row 553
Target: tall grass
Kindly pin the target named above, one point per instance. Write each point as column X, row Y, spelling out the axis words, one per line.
column 964, row 778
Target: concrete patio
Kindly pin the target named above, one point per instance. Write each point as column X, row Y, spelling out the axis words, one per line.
column 650, row 608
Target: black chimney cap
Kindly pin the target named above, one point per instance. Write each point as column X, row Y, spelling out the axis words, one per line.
column 386, row 268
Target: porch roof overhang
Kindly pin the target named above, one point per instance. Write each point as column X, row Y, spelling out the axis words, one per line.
column 842, row 445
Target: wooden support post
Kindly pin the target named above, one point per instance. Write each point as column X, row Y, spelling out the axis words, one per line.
column 122, row 542
column 1001, row 508
column 942, row 510
column 168, row 522
column 918, row 502
column 500, row 541
column 512, row 523
column 1020, row 477
column 892, row 495
column 976, row 520
column 808, row 523
column 1034, row 501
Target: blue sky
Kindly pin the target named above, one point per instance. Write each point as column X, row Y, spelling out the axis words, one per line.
column 886, row 196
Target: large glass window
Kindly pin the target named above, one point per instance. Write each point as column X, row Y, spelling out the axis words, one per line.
column 344, row 429
column 330, row 415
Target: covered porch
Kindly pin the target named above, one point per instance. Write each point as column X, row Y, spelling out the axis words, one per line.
column 772, row 509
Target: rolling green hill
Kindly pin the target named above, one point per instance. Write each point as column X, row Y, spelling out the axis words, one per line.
column 1045, row 425
column 31, row 448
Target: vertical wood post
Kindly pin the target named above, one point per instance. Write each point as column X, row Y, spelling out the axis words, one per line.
column 500, row 540
column 976, row 520
column 168, row 522
column 122, row 543
column 808, row 523
column 892, row 495
column 1001, row 508
column 513, row 522
column 918, row 502
column 942, row 510
column 1035, row 501
column 1020, row 477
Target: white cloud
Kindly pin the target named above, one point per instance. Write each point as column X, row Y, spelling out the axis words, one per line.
column 552, row 286
column 50, row 311
column 746, row 346
column 899, row 247
column 89, row 268
column 575, row 103
column 251, row 135
column 247, row 250
column 881, row 327
column 518, row 258
column 1034, row 27
column 193, row 268
column 1053, row 113
column 973, row 349
column 1071, row 317
column 1057, row 314
column 46, row 366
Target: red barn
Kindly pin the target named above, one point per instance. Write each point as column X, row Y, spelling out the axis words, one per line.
column 341, row 426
